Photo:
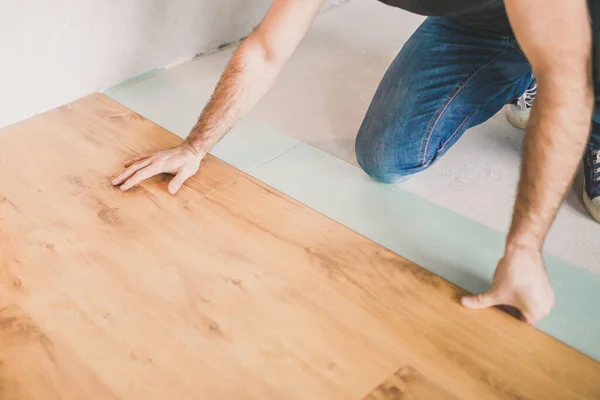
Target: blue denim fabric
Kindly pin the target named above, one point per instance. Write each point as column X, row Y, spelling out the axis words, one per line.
column 446, row 79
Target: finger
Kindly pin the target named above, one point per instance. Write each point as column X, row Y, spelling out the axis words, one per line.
column 140, row 176
column 123, row 176
column 136, row 159
column 178, row 181
column 482, row 300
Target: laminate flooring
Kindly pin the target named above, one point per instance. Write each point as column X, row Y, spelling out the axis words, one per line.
column 229, row 290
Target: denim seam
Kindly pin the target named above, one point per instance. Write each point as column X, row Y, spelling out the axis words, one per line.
column 427, row 137
column 467, row 119
column 463, row 123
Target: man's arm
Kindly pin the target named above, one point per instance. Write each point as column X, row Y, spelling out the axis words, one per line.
column 253, row 69
column 249, row 74
column 556, row 38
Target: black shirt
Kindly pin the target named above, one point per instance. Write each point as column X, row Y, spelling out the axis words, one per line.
column 483, row 15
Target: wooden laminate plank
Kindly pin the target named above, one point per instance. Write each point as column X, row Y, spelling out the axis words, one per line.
column 412, row 314
column 228, row 290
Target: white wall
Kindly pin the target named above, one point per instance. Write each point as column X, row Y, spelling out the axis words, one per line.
column 55, row 51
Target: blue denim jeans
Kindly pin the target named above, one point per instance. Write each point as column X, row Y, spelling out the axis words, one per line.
column 446, row 79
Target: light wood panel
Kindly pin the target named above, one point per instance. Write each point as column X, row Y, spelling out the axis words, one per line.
column 229, row 290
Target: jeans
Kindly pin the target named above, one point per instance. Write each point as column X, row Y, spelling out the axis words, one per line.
column 446, row 79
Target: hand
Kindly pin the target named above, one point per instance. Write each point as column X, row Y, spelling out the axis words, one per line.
column 182, row 161
column 520, row 281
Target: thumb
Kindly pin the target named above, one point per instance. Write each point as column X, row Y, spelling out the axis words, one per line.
column 482, row 300
column 178, row 181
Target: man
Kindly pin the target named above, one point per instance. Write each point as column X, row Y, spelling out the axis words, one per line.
column 455, row 72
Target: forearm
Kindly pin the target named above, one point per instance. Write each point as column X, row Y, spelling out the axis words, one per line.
column 556, row 38
column 247, row 77
column 556, row 136
column 253, row 69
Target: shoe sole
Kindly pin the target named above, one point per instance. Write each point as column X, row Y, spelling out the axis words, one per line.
column 591, row 208
column 514, row 120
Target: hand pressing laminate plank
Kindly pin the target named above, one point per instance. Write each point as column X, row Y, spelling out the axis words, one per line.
column 230, row 290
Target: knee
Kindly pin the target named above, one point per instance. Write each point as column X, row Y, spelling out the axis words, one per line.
column 380, row 161
column 381, row 172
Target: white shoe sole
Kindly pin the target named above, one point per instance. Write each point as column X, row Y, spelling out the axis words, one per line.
column 518, row 119
column 591, row 208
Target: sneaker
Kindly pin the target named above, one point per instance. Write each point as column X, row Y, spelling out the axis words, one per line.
column 591, row 183
column 517, row 111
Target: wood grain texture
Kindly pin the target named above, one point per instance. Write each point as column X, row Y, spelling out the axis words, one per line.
column 229, row 290
column 409, row 384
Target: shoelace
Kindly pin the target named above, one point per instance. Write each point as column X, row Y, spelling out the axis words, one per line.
column 525, row 102
column 596, row 162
